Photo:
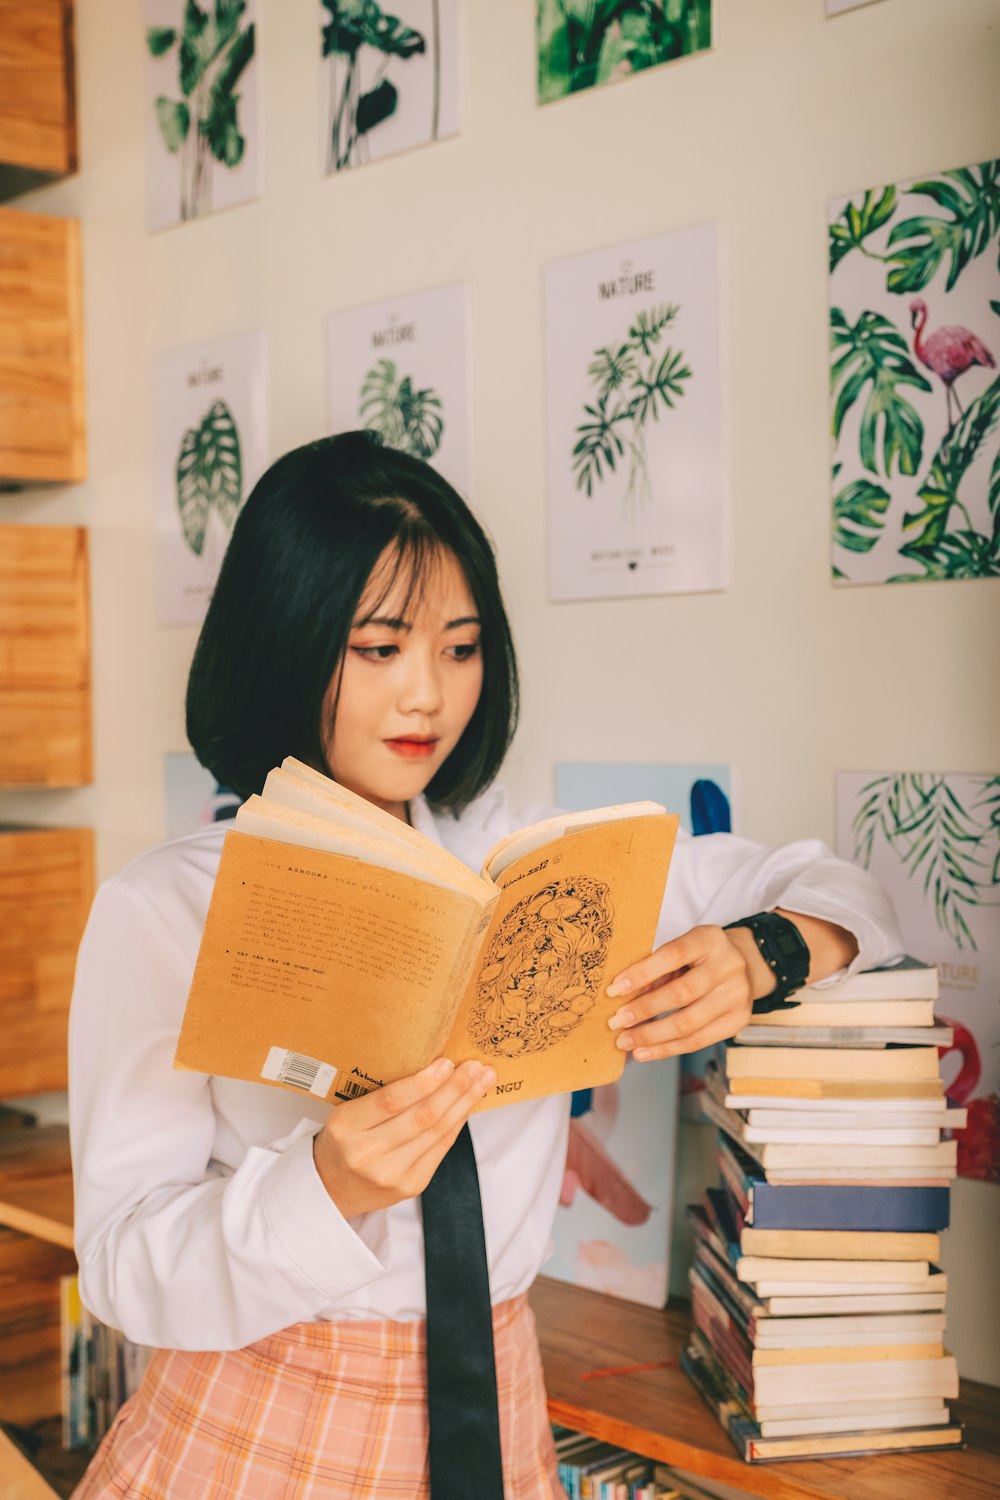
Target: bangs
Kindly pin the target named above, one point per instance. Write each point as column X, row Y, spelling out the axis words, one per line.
column 405, row 570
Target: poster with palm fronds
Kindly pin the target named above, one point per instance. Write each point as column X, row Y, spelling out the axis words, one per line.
column 933, row 841
column 390, row 77
column 635, row 462
column 582, row 44
column 915, row 385
column 401, row 368
column 210, row 445
column 201, row 111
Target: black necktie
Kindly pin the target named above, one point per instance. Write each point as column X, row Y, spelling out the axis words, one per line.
column 461, row 1375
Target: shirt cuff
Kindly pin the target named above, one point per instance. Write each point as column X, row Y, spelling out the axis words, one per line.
column 308, row 1227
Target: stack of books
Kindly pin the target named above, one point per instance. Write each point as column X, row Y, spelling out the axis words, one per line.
column 818, row 1306
column 101, row 1369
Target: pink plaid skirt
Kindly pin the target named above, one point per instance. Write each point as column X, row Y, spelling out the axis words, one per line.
column 320, row 1411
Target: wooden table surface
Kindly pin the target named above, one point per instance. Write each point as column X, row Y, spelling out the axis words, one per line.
column 659, row 1414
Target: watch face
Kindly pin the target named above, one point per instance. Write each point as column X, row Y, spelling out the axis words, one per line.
column 787, row 941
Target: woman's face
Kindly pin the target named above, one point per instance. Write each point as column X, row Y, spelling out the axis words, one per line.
column 409, row 685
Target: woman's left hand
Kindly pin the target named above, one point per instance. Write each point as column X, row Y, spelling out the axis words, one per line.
column 702, row 978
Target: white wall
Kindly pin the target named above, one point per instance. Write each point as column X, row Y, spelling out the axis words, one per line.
column 782, row 676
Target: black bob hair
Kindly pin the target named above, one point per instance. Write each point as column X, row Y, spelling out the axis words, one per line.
column 303, row 548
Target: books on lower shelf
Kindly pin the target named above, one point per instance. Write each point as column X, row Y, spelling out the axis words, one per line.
column 818, row 1306
column 101, row 1369
column 590, row 1469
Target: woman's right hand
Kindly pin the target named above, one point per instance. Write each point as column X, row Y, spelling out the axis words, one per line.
column 375, row 1151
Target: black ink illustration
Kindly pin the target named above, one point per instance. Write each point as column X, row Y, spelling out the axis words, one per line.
column 542, row 971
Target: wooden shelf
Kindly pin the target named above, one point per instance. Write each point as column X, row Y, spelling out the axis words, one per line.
column 659, row 1414
column 37, row 93
column 41, row 350
column 36, row 1184
column 46, row 887
column 45, row 703
column 50, row 1473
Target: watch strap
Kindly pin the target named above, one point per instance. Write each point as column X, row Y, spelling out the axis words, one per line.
column 785, row 951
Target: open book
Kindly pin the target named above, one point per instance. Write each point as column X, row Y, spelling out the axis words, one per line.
column 343, row 949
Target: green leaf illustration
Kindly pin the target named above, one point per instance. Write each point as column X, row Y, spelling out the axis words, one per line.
column 948, row 847
column 209, row 474
column 873, row 354
column 859, row 515
column 633, row 384
column 354, row 24
column 970, row 198
column 858, row 221
column 967, row 553
column 160, row 39
column 581, row 43
column 174, row 120
column 405, row 418
column 377, row 105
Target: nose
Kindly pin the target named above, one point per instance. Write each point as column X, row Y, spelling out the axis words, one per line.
column 420, row 690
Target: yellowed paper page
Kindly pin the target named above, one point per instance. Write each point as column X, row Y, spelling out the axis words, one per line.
column 324, row 958
column 568, row 919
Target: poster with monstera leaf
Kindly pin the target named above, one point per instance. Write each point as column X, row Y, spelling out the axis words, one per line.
column 635, row 443
column 211, row 444
column 401, row 368
column 583, row 44
column 390, row 77
column 201, row 108
column 933, row 841
column 915, row 391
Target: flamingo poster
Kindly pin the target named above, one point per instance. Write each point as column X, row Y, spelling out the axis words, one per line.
column 915, row 389
column 933, row 841
column 636, row 468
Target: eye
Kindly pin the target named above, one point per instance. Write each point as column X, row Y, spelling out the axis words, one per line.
column 464, row 650
column 375, row 653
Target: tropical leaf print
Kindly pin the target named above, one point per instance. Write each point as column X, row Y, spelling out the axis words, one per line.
column 872, row 358
column 634, row 382
column 859, row 514
column 586, row 42
column 967, row 552
column 203, row 125
column 857, row 222
column 354, row 113
column 405, row 418
column 970, row 198
column 209, row 475
column 950, row 848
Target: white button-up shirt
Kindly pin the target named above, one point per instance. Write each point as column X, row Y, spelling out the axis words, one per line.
column 201, row 1222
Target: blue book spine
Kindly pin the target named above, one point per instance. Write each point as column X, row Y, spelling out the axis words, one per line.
column 906, row 1210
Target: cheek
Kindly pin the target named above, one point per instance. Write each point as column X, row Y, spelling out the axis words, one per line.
column 472, row 688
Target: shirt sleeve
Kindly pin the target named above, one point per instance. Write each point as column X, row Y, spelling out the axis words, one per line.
column 719, row 877
column 174, row 1249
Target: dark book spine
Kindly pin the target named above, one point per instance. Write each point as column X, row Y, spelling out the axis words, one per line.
column 906, row 1210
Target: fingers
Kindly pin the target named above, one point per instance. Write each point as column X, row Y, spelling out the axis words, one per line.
column 712, row 961
column 389, row 1102
column 711, row 1019
column 666, row 959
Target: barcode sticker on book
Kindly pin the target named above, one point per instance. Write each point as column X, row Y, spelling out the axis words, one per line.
column 354, row 1088
column 306, row 1073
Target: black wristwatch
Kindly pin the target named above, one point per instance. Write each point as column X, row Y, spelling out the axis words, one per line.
column 785, row 950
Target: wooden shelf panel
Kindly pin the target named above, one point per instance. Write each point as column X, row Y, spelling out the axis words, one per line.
column 658, row 1413
column 36, row 1183
column 46, row 887
column 49, row 1474
column 45, row 694
column 41, row 350
column 37, row 95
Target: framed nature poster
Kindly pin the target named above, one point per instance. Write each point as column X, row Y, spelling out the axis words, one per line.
column 933, row 841
column 915, row 390
column 401, row 368
column 202, row 110
column 210, row 435
column 637, row 499
column 390, row 79
column 582, row 44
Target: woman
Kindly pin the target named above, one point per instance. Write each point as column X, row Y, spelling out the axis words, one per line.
column 272, row 1248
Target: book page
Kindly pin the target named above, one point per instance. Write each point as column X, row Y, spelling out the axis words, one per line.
column 324, row 958
column 569, row 917
column 526, row 840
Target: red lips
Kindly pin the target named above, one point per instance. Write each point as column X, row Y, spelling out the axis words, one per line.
column 412, row 747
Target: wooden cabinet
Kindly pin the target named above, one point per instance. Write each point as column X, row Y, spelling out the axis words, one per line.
column 41, row 350
column 45, row 735
column 37, row 96
column 46, row 887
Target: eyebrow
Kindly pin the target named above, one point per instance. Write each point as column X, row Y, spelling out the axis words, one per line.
column 392, row 623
